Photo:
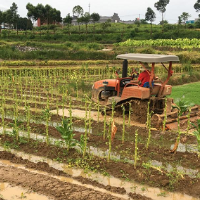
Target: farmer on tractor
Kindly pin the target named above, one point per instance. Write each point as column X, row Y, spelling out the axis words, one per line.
column 144, row 77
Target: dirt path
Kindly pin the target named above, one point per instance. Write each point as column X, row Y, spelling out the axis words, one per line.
column 50, row 186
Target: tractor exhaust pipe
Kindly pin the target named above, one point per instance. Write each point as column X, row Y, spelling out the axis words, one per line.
column 125, row 68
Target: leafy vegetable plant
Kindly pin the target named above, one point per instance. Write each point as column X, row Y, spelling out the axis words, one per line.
column 67, row 133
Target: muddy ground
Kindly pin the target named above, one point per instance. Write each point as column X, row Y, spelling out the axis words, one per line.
column 52, row 187
column 151, row 176
column 49, row 186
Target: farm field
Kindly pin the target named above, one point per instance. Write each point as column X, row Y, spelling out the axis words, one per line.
column 52, row 133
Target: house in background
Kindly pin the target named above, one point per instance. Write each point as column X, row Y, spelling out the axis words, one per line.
column 115, row 19
column 6, row 26
column 190, row 21
column 39, row 23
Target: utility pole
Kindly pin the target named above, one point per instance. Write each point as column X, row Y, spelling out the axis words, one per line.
column 89, row 8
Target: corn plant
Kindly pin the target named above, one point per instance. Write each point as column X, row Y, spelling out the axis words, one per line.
column 28, row 116
column 109, row 140
column 90, row 119
column 57, row 105
column 148, row 125
column 197, row 132
column 123, row 130
column 47, row 116
column 63, row 107
column 136, row 149
column 70, row 110
column 129, row 114
column 98, row 113
column 104, row 130
column 67, row 134
column 81, row 144
column 165, row 115
column 15, row 130
column 109, row 129
column 85, row 135
column 3, row 115
column 188, row 122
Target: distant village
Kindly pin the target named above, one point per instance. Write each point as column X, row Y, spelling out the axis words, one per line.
column 114, row 19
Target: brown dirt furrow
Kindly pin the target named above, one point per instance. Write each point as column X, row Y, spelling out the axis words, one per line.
column 50, row 186
column 151, row 176
column 42, row 166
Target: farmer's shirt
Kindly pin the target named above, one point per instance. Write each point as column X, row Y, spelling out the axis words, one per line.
column 144, row 77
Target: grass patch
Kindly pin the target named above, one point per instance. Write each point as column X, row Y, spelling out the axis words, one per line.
column 190, row 91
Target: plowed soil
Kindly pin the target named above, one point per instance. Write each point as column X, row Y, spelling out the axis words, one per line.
column 151, row 176
column 50, row 186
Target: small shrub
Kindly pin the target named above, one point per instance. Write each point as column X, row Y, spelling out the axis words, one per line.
column 132, row 34
column 32, row 36
column 136, row 30
column 94, row 46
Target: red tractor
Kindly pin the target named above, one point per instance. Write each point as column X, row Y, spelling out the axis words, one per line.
column 125, row 90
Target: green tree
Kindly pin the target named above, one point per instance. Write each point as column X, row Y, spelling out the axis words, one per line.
column 24, row 24
column 36, row 12
column 150, row 16
column 56, row 16
column 143, row 21
column 161, row 6
column 179, row 22
column 95, row 18
column 1, row 19
column 197, row 6
column 86, row 19
column 14, row 15
column 46, row 13
column 185, row 17
column 31, row 12
column 78, row 12
column 68, row 20
column 164, row 22
column 7, row 16
column 197, row 23
column 137, row 22
column 105, row 25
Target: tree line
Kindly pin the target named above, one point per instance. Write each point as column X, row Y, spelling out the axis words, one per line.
column 49, row 15
column 161, row 7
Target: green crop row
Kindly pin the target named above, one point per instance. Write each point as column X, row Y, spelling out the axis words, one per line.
column 178, row 43
column 55, row 62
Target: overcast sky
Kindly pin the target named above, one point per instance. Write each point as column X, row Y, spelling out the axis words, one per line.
column 126, row 9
